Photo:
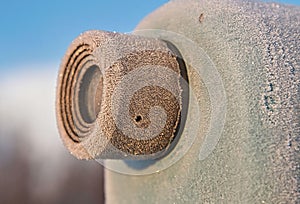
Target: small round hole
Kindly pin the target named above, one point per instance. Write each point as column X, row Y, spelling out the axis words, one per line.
column 138, row 118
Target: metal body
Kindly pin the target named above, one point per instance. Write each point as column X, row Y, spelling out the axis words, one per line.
column 255, row 48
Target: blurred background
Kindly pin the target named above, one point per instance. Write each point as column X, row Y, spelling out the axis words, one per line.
column 34, row 165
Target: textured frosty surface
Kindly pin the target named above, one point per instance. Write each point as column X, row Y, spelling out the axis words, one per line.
column 255, row 47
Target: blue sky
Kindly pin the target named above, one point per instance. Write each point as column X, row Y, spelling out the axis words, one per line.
column 39, row 31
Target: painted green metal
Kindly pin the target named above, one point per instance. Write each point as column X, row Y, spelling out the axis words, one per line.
column 255, row 48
